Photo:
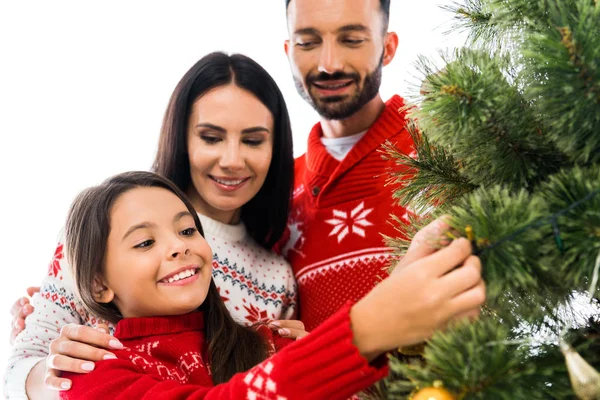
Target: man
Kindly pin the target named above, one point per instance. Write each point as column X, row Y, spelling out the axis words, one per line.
column 341, row 205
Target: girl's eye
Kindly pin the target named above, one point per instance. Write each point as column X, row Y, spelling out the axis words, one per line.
column 210, row 139
column 144, row 244
column 189, row 231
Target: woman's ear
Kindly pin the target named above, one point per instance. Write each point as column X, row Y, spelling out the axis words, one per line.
column 102, row 293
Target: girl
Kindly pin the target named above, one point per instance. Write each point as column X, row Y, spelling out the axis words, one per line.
column 139, row 260
column 226, row 142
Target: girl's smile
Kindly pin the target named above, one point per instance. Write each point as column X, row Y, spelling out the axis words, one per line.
column 154, row 247
column 182, row 276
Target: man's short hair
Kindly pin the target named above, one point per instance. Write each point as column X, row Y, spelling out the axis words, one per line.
column 385, row 8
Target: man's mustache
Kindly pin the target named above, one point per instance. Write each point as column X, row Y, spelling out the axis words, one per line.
column 323, row 76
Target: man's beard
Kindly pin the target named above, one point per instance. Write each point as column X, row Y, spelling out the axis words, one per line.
column 337, row 107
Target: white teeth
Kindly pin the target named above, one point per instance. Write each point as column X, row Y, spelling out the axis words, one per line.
column 229, row 183
column 182, row 275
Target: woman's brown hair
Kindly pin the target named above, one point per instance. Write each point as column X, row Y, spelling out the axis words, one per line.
column 232, row 347
column 265, row 215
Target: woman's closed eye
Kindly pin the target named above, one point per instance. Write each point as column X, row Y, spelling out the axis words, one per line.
column 253, row 142
column 210, row 139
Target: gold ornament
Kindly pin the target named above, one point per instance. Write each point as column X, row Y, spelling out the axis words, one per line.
column 585, row 380
column 437, row 392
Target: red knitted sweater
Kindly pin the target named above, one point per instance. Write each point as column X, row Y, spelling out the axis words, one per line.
column 165, row 358
column 340, row 211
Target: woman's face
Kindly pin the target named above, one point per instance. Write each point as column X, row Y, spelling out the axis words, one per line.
column 230, row 146
column 156, row 263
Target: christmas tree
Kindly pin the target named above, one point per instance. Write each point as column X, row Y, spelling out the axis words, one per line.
column 507, row 137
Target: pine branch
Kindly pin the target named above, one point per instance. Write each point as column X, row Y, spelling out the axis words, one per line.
column 487, row 216
column 563, row 77
column 579, row 227
column 485, row 360
column 483, row 120
column 430, row 179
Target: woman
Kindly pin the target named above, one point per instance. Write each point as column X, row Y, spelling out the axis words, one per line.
column 226, row 142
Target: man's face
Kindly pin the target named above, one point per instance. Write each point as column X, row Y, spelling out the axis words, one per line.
column 337, row 49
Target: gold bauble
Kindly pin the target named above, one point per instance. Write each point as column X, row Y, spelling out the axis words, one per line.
column 585, row 380
column 433, row 393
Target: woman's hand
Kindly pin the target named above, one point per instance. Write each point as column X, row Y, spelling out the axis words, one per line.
column 76, row 350
column 418, row 299
column 288, row 328
column 21, row 309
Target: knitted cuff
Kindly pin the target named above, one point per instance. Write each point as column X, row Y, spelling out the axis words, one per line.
column 15, row 378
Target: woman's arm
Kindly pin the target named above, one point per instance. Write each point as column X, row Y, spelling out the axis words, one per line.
column 53, row 307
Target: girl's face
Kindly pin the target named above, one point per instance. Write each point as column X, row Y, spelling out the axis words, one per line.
column 230, row 146
column 156, row 263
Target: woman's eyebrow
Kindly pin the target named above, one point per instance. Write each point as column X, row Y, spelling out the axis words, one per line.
column 211, row 126
column 255, row 129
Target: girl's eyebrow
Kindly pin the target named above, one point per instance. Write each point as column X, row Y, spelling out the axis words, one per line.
column 182, row 214
column 143, row 225
column 148, row 225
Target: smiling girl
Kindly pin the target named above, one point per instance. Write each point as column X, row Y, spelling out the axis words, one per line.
column 140, row 261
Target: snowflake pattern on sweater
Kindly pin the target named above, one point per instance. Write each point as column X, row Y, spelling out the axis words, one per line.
column 255, row 284
column 340, row 212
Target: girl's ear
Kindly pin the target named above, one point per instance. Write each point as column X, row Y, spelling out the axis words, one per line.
column 102, row 293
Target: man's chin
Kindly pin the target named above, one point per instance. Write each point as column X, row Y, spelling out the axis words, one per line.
column 334, row 110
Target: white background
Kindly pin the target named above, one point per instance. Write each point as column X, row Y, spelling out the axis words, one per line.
column 83, row 88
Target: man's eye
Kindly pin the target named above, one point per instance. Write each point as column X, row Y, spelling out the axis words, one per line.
column 353, row 42
column 144, row 244
column 306, row 45
column 189, row 231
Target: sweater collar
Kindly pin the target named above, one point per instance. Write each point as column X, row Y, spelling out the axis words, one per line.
column 391, row 120
column 129, row 328
column 230, row 233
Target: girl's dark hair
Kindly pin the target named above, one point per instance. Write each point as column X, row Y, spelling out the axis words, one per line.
column 232, row 347
column 265, row 216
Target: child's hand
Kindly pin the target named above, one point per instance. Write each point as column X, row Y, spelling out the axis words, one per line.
column 423, row 296
column 427, row 241
column 288, row 328
column 75, row 350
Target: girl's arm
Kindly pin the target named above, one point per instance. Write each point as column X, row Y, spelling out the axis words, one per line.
column 336, row 360
column 323, row 365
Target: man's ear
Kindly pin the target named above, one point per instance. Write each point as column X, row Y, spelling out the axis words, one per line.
column 390, row 45
column 286, row 47
column 102, row 293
